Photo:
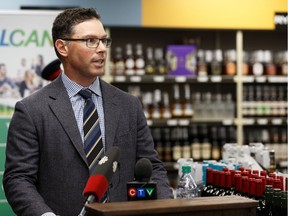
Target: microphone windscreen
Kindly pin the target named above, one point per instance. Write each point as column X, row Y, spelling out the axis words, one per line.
column 96, row 185
column 98, row 182
column 143, row 170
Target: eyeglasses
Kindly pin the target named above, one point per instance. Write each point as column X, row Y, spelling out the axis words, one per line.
column 92, row 42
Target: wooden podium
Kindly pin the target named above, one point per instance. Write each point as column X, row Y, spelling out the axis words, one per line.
column 200, row 206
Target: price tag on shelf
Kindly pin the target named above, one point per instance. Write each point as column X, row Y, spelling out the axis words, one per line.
column 120, row 78
column 135, row 79
column 183, row 122
column 172, row 122
column 202, row 78
column 158, row 78
column 227, row 122
column 276, row 121
column 249, row 121
column 216, row 78
column 248, row 79
column 277, row 79
column 180, row 79
column 260, row 79
column 262, row 121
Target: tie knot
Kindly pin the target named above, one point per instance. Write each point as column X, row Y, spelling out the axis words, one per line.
column 85, row 93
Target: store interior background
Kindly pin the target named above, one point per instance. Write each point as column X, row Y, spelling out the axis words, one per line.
column 127, row 22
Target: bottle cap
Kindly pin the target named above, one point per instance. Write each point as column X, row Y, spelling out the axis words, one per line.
column 186, row 169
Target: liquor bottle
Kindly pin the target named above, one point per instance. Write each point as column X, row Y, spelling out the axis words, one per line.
column 208, row 60
column 269, row 66
column 259, row 196
column 252, row 188
column 129, row 60
column 230, row 62
column 238, row 184
column 208, row 106
column 186, row 188
column 276, row 202
column 119, row 65
column 221, row 183
column 217, row 61
column 201, row 63
column 156, row 114
column 139, row 60
column 209, row 182
column 229, row 190
column 259, row 102
column 268, row 200
column 258, row 67
column 215, row 151
column 216, row 181
column 150, row 67
column 219, row 111
column 176, row 149
column 195, row 145
column 245, row 186
column 177, row 111
column 284, row 202
column 166, row 114
column 167, row 145
column 198, row 106
column 229, row 107
column 205, row 142
column 187, row 103
column 160, row 63
column 186, row 148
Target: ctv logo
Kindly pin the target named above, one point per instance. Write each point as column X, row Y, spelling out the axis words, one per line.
column 140, row 192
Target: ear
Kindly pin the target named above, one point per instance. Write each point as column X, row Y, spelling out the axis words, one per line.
column 61, row 47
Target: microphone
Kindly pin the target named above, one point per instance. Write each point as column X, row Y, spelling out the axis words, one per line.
column 142, row 188
column 98, row 182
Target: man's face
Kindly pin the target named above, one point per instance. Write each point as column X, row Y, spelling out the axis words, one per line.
column 84, row 64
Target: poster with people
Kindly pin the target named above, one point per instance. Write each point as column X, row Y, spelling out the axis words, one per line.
column 25, row 48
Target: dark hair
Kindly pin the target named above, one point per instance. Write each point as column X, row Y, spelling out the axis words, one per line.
column 64, row 23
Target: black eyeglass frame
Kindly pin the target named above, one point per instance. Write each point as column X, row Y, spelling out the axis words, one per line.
column 106, row 41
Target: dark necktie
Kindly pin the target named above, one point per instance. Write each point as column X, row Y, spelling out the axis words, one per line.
column 93, row 145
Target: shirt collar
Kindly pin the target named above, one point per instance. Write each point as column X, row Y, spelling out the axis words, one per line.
column 73, row 88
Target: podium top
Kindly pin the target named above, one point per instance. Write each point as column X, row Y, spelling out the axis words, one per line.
column 225, row 205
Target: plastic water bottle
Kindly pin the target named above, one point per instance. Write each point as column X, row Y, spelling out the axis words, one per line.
column 186, row 188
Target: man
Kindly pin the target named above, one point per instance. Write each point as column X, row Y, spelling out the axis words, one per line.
column 46, row 167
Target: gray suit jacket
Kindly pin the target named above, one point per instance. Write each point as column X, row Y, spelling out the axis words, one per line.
column 46, row 168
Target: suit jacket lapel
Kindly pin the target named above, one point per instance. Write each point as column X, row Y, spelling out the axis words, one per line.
column 111, row 112
column 62, row 108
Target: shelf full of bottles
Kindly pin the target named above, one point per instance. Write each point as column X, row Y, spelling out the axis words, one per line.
column 208, row 97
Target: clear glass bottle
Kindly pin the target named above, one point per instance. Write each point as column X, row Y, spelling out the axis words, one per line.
column 186, row 188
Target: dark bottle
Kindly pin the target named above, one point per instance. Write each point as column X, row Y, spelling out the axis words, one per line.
column 228, row 185
column 259, row 196
column 238, row 184
column 276, row 202
column 221, row 184
column 215, row 174
column 268, row 194
column 209, row 182
column 245, row 187
column 284, row 203
column 167, row 145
